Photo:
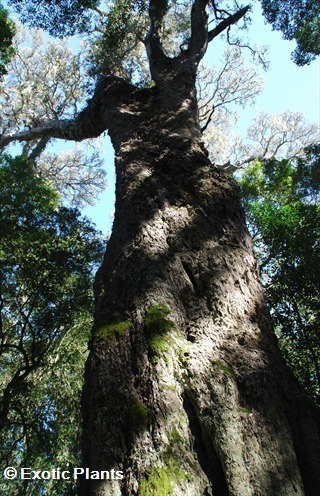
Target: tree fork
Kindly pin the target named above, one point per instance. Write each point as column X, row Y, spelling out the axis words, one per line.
column 185, row 388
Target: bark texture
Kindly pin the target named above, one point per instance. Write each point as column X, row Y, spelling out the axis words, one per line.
column 186, row 391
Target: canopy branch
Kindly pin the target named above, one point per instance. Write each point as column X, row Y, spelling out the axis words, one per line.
column 90, row 123
column 208, row 120
column 226, row 23
column 75, row 130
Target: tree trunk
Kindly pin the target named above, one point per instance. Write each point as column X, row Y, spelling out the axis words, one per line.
column 185, row 391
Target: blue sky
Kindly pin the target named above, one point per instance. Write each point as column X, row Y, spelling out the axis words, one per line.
column 287, row 86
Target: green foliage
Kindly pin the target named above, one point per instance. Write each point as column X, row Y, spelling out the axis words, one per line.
column 159, row 481
column 298, row 20
column 219, row 366
column 47, row 257
column 157, row 325
column 117, row 49
column 158, row 344
column 112, row 46
column 7, row 32
column 245, row 410
column 58, row 17
column 281, row 199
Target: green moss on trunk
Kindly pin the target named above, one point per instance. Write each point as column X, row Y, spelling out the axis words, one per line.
column 108, row 331
column 156, row 319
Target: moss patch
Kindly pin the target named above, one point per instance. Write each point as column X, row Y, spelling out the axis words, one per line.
column 245, row 410
column 158, row 483
column 175, row 437
column 160, row 480
column 184, row 356
column 158, row 344
column 156, row 320
column 171, row 459
column 108, row 331
column 157, row 325
column 219, row 366
column 139, row 414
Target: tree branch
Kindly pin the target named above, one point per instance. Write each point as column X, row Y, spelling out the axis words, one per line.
column 226, row 23
column 52, row 129
column 90, row 123
column 156, row 56
column 208, row 120
column 199, row 30
column 38, row 149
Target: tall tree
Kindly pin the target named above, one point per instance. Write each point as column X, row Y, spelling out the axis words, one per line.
column 186, row 390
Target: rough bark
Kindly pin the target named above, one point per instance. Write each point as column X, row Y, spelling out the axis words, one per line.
column 186, row 391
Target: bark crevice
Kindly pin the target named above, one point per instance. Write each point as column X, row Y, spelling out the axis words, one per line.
column 207, row 456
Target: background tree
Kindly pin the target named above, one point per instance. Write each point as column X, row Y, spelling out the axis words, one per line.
column 281, row 199
column 298, row 20
column 276, row 136
column 186, row 391
column 7, row 31
column 45, row 307
column 47, row 257
column 45, row 81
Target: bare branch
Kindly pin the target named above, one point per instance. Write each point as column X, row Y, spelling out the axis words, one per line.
column 226, row 23
column 208, row 120
column 38, row 149
column 51, row 129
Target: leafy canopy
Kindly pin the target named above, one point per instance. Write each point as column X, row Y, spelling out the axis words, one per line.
column 7, row 32
column 118, row 29
column 298, row 20
column 59, row 17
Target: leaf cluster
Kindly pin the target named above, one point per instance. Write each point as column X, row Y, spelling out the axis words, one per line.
column 117, row 46
column 59, row 17
column 298, row 20
column 7, row 32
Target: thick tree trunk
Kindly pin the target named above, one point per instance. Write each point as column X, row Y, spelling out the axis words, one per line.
column 186, row 391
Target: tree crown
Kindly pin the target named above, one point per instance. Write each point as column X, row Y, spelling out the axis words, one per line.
column 298, row 20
